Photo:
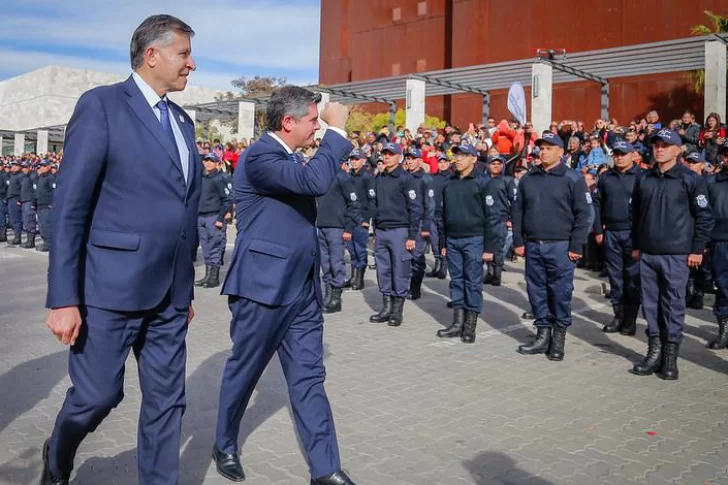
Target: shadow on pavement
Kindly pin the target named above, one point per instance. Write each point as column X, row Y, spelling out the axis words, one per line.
column 495, row 468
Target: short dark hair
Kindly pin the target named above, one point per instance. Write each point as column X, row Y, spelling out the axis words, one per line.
column 288, row 101
column 154, row 29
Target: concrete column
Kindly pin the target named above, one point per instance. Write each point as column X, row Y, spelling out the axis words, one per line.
column 715, row 79
column 486, row 108
column 41, row 145
column 1, row 146
column 246, row 119
column 325, row 98
column 541, row 96
column 192, row 114
column 605, row 101
column 19, row 144
column 415, row 107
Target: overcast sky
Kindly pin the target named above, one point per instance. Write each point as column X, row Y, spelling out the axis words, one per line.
column 232, row 37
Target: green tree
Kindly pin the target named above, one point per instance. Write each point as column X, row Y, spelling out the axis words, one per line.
column 720, row 25
column 359, row 120
column 382, row 119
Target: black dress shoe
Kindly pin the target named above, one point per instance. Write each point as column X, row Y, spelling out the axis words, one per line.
column 46, row 477
column 338, row 478
column 228, row 465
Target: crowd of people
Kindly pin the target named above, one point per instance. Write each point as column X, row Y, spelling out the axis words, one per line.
column 369, row 200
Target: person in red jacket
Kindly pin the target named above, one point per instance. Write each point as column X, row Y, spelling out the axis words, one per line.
column 503, row 137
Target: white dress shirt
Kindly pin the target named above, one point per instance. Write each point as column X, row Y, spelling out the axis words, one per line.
column 153, row 98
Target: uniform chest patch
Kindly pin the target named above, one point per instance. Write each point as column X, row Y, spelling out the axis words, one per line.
column 35, row 187
column 588, row 198
column 412, row 194
column 352, row 196
column 53, row 185
column 372, row 193
column 489, row 200
column 227, row 191
column 702, row 201
column 230, row 186
column 431, row 193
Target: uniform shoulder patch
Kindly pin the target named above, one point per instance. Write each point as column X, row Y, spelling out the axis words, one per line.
column 702, row 201
column 53, row 185
column 431, row 193
column 227, row 191
column 372, row 193
column 489, row 200
column 412, row 194
column 352, row 196
column 230, row 186
column 35, row 187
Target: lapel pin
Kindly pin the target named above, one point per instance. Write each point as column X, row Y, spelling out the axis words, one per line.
column 181, row 119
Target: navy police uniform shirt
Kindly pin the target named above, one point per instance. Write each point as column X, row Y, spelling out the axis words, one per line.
column 612, row 199
column 217, row 195
column 4, row 182
column 339, row 206
column 423, row 182
column 398, row 204
column 438, row 185
column 366, row 194
column 552, row 205
column 27, row 187
column 718, row 200
column 671, row 212
column 46, row 186
column 474, row 206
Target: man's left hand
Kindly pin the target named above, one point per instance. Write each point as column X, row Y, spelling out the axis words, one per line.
column 695, row 260
column 574, row 256
column 346, row 236
column 190, row 314
column 410, row 245
column 218, row 224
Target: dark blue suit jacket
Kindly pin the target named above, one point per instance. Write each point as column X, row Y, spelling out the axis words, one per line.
column 277, row 246
column 124, row 220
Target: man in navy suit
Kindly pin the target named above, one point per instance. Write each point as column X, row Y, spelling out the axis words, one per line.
column 273, row 285
column 121, row 263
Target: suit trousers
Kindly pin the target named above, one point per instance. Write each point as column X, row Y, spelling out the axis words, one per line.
column 295, row 332
column 96, row 367
column 331, row 248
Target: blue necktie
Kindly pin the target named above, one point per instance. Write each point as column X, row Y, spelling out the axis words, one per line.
column 295, row 157
column 166, row 123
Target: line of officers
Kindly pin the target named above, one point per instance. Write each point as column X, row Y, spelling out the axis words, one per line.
column 656, row 226
column 26, row 202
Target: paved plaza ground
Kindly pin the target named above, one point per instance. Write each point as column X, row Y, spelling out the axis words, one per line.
column 410, row 409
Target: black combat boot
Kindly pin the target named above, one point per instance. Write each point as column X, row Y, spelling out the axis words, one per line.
column 497, row 271
column 16, row 239
column 395, row 319
column 456, row 327
column 616, row 323
column 415, row 291
column 669, row 371
column 488, row 276
column 334, row 305
column 46, row 477
column 471, row 321
column 436, row 268
column 558, row 341
column 4, row 235
column 204, row 278
column 696, row 301
column 721, row 340
column 327, row 294
column 383, row 315
column 540, row 344
column 29, row 242
column 629, row 322
column 357, row 278
column 214, row 280
column 443, row 270
column 652, row 360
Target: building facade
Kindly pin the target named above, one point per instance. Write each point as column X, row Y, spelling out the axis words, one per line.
column 382, row 38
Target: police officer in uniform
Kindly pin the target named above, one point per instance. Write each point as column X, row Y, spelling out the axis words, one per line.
column 506, row 186
column 27, row 196
column 700, row 279
column 612, row 228
column 45, row 187
column 4, row 182
column 671, row 226
column 425, row 193
column 366, row 197
column 396, row 223
column 338, row 215
column 215, row 201
column 718, row 200
column 550, row 227
column 437, row 230
column 473, row 208
column 15, row 210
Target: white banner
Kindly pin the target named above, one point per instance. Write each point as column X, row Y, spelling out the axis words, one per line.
column 517, row 102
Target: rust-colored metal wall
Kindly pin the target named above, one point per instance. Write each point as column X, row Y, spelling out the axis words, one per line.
column 366, row 40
